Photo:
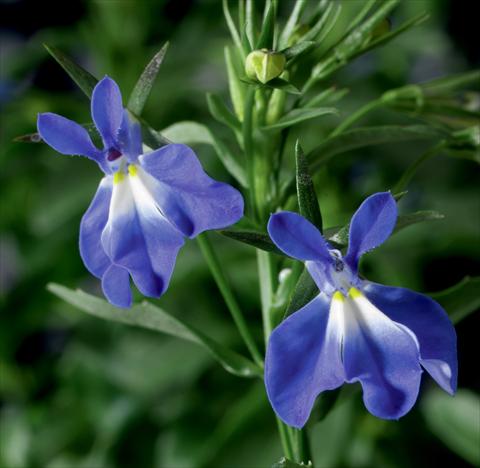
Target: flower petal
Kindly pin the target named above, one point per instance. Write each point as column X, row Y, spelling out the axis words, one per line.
column 303, row 359
column 68, row 137
column 91, row 227
column 116, row 286
column 430, row 324
column 297, row 237
column 130, row 138
column 382, row 356
column 187, row 196
column 371, row 225
column 107, row 110
column 139, row 238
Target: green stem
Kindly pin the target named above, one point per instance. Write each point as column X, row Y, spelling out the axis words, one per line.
column 412, row 169
column 222, row 283
column 357, row 116
column 285, row 439
column 266, row 277
column 247, row 132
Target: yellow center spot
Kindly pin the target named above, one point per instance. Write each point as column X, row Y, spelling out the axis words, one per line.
column 132, row 170
column 354, row 293
column 338, row 296
column 118, row 177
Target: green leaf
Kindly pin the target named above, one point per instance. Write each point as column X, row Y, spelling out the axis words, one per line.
column 451, row 83
column 256, row 239
column 298, row 49
column 305, row 290
column 460, row 300
column 359, row 138
column 300, row 115
column 406, row 220
column 148, row 316
column 455, row 421
column 292, row 22
column 85, row 80
column 144, row 85
column 236, row 87
column 286, row 463
column 266, row 34
column 329, row 96
column 190, row 133
column 222, row 113
column 231, row 26
column 307, row 198
column 386, row 38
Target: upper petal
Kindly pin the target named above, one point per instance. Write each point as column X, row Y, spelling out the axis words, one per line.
column 371, row 225
column 91, row 227
column 67, row 137
column 303, row 359
column 139, row 238
column 382, row 356
column 297, row 237
column 186, row 195
column 107, row 110
column 430, row 324
column 130, row 137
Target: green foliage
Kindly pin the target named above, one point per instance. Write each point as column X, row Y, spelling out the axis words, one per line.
column 148, row 316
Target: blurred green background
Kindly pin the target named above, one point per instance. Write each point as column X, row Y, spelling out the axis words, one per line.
column 79, row 392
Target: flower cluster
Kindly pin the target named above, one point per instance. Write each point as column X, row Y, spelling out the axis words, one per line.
column 145, row 205
column 354, row 330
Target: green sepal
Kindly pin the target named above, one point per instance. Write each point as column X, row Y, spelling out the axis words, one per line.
column 84, row 79
column 257, row 239
column 276, row 83
column 146, row 315
column 144, row 85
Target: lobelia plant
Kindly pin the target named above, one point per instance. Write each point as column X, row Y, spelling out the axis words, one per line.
column 324, row 325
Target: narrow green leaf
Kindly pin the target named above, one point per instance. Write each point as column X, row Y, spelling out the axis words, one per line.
column 296, row 116
column 327, row 20
column 85, row 80
column 451, row 83
column 260, row 240
column 386, row 38
column 286, row 463
column 455, row 421
column 292, row 22
column 406, row 220
column 307, row 198
column 232, row 27
column 298, row 49
column 329, row 96
column 460, row 300
column 236, row 87
column 190, row 132
column 305, row 290
column 147, row 315
column 359, row 138
column 266, row 34
column 144, row 85
column 222, row 113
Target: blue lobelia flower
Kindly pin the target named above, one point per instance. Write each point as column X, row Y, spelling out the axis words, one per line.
column 145, row 205
column 354, row 330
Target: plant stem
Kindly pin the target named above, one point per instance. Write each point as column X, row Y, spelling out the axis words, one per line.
column 285, row 439
column 222, row 283
column 247, row 132
column 410, row 172
column 357, row 116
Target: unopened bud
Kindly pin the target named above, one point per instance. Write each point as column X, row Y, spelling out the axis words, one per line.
column 264, row 65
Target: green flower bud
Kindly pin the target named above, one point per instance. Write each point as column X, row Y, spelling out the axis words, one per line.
column 264, row 65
